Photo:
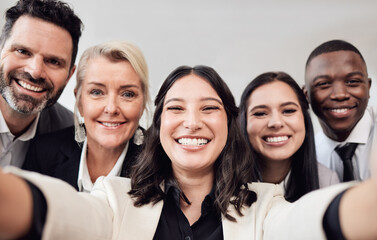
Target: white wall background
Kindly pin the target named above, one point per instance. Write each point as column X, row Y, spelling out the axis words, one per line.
column 240, row 39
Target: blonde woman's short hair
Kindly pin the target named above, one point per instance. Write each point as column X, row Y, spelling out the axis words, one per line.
column 114, row 51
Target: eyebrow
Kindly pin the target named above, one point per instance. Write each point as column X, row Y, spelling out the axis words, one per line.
column 355, row 73
column 202, row 100
column 50, row 56
column 348, row 75
column 122, row 86
column 281, row 105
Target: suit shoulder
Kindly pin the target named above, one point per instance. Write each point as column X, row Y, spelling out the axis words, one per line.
column 54, row 118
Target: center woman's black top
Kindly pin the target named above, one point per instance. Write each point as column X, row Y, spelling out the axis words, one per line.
column 173, row 224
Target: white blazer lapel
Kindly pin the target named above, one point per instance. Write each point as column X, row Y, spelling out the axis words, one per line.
column 243, row 228
column 140, row 222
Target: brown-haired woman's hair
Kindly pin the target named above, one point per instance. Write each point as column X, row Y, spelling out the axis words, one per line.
column 304, row 172
column 233, row 168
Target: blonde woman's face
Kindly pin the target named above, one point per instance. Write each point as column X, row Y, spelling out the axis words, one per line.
column 111, row 102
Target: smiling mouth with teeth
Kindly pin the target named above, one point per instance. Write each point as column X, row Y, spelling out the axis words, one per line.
column 339, row 110
column 30, row 87
column 107, row 124
column 276, row 139
column 193, row 141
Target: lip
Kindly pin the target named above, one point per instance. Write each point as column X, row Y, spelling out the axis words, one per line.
column 111, row 124
column 340, row 111
column 29, row 88
column 276, row 140
column 193, row 141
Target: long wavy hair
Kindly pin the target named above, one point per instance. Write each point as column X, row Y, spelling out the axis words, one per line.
column 304, row 170
column 233, row 168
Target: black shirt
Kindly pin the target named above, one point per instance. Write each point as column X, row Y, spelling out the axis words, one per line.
column 173, row 224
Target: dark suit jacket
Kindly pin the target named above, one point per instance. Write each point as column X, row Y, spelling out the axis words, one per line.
column 54, row 118
column 58, row 155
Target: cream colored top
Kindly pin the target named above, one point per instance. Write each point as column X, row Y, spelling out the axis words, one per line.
column 108, row 212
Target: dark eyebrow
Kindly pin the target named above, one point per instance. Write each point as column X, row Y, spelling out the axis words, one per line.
column 49, row 56
column 258, row 106
column 351, row 74
column 321, row 76
column 202, row 99
column 289, row 103
column 281, row 105
column 348, row 75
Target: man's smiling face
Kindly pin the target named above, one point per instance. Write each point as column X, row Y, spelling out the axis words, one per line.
column 338, row 90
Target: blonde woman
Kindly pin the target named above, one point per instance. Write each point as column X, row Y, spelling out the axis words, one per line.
column 111, row 95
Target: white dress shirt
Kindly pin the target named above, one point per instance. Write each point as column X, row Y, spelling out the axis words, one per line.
column 13, row 150
column 84, row 182
column 363, row 134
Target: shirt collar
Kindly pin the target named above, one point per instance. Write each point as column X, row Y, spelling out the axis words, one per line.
column 360, row 133
column 172, row 191
column 26, row 136
column 84, row 182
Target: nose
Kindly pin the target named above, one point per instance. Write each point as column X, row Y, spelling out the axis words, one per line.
column 275, row 120
column 339, row 91
column 192, row 120
column 112, row 106
column 35, row 67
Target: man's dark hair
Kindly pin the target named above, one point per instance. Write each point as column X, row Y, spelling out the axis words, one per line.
column 333, row 46
column 56, row 12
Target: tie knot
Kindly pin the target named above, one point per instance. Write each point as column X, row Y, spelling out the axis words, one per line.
column 346, row 152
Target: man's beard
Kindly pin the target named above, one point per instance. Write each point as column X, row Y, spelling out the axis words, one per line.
column 24, row 103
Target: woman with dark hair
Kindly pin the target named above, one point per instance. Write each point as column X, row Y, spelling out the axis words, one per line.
column 226, row 174
column 191, row 182
column 276, row 123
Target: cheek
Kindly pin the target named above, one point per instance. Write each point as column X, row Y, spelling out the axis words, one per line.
column 319, row 95
column 89, row 109
column 361, row 93
column 252, row 132
column 165, row 128
column 300, row 130
column 8, row 64
column 58, row 78
column 133, row 111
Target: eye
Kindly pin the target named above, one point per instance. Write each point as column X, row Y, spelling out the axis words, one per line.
column 54, row 61
column 353, row 82
column 289, row 111
column 259, row 114
column 23, row 52
column 322, row 84
column 174, row 108
column 128, row 94
column 96, row 92
column 210, row 108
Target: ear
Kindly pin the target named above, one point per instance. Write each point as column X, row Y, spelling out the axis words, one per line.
column 369, row 85
column 305, row 90
column 78, row 101
column 75, row 92
column 71, row 72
